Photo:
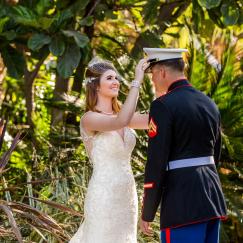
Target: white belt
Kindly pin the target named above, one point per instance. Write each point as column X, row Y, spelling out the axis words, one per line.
column 182, row 163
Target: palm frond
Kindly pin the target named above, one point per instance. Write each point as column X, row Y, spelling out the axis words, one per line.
column 58, row 206
column 5, row 158
column 3, row 126
column 12, row 222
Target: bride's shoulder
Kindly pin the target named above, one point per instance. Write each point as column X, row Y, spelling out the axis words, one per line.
column 84, row 120
column 89, row 115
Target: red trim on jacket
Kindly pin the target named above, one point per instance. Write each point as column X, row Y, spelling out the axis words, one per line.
column 185, row 85
column 148, row 185
column 196, row 222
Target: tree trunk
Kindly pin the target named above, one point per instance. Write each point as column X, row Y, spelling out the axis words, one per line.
column 61, row 87
column 29, row 98
column 2, row 76
column 29, row 78
column 89, row 31
column 78, row 77
column 57, row 128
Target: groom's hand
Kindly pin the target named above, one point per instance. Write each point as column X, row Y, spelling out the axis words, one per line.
column 145, row 227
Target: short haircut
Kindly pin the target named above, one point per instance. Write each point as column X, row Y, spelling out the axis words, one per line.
column 174, row 64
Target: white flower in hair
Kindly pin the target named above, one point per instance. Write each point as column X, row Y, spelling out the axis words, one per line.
column 89, row 80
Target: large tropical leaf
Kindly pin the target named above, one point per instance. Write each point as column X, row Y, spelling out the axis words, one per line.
column 14, row 61
column 61, row 18
column 69, row 60
column 38, row 40
column 45, row 22
column 209, row 3
column 230, row 14
column 57, row 46
column 2, row 23
column 80, row 39
column 25, row 16
column 42, row 6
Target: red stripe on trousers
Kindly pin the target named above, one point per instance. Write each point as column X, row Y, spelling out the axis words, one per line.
column 167, row 235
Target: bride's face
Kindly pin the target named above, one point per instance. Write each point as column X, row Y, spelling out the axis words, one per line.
column 109, row 84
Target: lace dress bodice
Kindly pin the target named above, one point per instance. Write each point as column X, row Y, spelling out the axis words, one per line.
column 110, row 205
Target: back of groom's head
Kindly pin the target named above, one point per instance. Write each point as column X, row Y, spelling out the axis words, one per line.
column 177, row 65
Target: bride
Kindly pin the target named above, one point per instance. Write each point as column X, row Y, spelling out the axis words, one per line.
column 111, row 204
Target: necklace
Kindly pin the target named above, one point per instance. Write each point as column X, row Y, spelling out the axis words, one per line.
column 107, row 113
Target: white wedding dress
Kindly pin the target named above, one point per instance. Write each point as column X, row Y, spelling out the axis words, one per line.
column 111, row 203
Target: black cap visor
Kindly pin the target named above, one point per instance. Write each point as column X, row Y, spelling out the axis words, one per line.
column 154, row 61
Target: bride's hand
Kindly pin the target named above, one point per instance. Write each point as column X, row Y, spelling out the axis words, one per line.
column 140, row 68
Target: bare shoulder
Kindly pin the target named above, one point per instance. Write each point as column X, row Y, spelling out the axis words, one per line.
column 98, row 122
column 89, row 116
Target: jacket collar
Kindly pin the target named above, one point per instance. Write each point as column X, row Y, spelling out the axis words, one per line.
column 178, row 83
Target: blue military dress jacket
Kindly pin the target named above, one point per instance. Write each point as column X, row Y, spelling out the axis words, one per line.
column 183, row 124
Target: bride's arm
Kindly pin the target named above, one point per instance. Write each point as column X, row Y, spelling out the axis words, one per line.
column 94, row 121
column 139, row 121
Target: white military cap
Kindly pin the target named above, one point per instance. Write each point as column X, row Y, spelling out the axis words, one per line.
column 163, row 54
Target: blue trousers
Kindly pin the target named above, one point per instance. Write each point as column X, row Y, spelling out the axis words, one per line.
column 206, row 232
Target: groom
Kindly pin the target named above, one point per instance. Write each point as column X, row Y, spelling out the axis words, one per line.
column 183, row 151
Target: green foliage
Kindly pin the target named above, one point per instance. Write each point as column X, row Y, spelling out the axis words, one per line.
column 42, row 6
column 209, row 3
column 37, row 41
column 151, row 10
column 80, row 39
column 25, row 16
column 87, row 21
column 14, row 61
column 44, row 40
column 61, row 18
column 230, row 14
column 28, row 215
column 57, row 46
column 2, row 23
column 69, row 60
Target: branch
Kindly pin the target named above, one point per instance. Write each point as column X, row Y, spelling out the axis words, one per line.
column 166, row 11
column 30, row 76
column 92, row 8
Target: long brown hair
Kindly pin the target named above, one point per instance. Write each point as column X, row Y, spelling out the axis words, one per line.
column 93, row 73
